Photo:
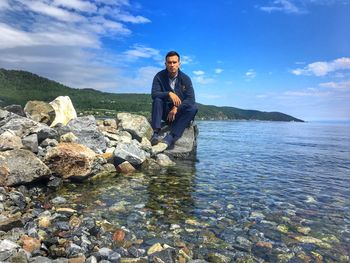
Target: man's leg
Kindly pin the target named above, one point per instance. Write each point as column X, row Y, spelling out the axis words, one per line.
column 157, row 113
column 182, row 121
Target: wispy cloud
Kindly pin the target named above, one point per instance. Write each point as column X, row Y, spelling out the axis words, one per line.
column 343, row 85
column 140, row 51
column 281, row 6
column 218, row 70
column 323, row 68
column 295, row 6
column 250, row 74
column 198, row 72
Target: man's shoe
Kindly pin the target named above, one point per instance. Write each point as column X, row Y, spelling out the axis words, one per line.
column 155, row 139
column 169, row 140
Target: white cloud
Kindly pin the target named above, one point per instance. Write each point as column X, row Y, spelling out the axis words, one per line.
column 307, row 93
column 62, row 40
column 343, row 85
column 200, row 79
column 83, row 6
column 218, row 70
column 186, row 60
column 139, row 51
column 52, row 11
column 198, row 72
column 286, row 6
column 323, row 68
column 250, row 74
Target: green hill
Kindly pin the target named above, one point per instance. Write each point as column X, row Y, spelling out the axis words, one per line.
column 18, row 87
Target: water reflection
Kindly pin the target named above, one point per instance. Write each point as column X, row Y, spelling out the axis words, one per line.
column 170, row 194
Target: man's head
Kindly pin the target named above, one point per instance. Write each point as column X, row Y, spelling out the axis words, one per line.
column 172, row 62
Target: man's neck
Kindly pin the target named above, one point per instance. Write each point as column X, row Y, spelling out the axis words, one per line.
column 173, row 75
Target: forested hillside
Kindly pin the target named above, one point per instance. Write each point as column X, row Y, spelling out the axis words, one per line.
column 18, row 87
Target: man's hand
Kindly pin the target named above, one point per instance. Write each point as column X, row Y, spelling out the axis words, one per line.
column 175, row 99
column 171, row 114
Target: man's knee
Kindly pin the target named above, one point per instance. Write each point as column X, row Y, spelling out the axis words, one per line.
column 158, row 101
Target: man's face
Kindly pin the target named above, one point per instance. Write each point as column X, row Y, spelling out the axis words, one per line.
column 172, row 64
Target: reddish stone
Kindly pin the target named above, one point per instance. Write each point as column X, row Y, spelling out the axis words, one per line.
column 30, row 244
column 119, row 235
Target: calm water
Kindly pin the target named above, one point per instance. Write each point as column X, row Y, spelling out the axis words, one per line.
column 266, row 190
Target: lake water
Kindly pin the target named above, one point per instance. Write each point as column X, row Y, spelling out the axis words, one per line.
column 272, row 191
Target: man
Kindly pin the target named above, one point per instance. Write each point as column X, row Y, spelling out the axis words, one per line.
column 173, row 100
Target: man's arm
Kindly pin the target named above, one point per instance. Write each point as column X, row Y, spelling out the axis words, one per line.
column 188, row 91
column 157, row 90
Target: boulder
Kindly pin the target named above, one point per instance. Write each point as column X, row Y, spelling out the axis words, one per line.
column 64, row 110
column 87, row 133
column 19, row 125
column 185, row 147
column 137, row 125
column 20, row 167
column 70, row 160
column 130, row 152
column 16, row 109
column 30, row 143
column 10, row 141
column 107, row 125
column 125, row 168
column 164, row 160
column 40, row 111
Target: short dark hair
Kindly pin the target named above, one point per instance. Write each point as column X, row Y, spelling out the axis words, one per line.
column 172, row 53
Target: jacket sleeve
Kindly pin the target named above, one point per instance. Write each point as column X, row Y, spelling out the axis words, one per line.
column 188, row 91
column 157, row 89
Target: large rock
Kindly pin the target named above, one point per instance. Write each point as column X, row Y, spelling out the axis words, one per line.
column 19, row 125
column 70, row 160
column 130, row 152
column 87, row 133
column 17, row 109
column 40, row 111
column 185, row 147
column 10, row 141
column 20, row 167
column 64, row 110
column 137, row 125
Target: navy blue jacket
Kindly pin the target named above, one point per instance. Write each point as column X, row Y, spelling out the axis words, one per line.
column 183, row 88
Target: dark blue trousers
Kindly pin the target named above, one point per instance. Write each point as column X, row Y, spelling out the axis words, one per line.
column 183, row 118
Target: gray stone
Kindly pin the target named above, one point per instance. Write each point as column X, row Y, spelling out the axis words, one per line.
column 49, row 142
column 73, row 249
column 21, row 126
column 40, row 259
column 164, row 160
column 130, row 152
column 59, row 200
column 185, row 147
column 91, row 259
column 20, row 167
column 87, row 133
column 20, row 257
column 30, row 143
column 137, row 125
column 104, row 252
column 47, row 133
column 114, row 257
column 7, row 245
column 16, row 109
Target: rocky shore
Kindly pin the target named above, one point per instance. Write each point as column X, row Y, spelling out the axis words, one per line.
column 45, row 145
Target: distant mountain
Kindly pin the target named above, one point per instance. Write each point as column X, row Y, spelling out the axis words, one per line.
column 18, row 87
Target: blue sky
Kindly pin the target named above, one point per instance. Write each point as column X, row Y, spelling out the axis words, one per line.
column 291, row 56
